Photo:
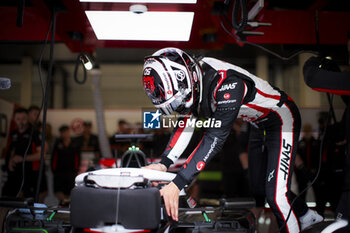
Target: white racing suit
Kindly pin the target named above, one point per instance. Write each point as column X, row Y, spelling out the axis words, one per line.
column 229, row 92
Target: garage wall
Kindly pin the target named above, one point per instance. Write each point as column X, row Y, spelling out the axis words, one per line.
column 14, row 72
column 121, row 86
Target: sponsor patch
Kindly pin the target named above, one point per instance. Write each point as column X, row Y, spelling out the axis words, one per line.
column 285, row 160
column 229, row 86
column 212, row 146
column 180, row 75
column 200, row 165
column 227, row 101
column 227, row 96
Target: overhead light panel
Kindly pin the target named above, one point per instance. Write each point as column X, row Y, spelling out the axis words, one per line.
column 145, row 1
column 151, row 26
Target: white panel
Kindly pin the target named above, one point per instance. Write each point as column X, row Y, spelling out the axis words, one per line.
column 155, row 26
column 145, row 1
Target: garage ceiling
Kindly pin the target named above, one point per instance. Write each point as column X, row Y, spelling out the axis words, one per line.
column 293, row 23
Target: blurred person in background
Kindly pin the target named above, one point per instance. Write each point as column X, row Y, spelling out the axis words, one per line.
column 119, row 146
column 64, row 164
column 88, row 142
column 307, row 159
column 19, row 141
column 49, row 138
column 329, row 183
column 34, row 117
column 33, row 114
column 89, row 148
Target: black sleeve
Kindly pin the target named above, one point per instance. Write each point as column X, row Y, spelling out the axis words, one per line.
column 229, row 98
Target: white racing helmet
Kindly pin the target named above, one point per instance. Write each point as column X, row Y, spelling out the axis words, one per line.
column 171, row 80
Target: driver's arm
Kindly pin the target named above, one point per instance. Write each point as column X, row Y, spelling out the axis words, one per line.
column 179, row 140
column 229, row 101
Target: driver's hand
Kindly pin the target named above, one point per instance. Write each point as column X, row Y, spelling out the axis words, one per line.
column 170, row 194
column 156, row 166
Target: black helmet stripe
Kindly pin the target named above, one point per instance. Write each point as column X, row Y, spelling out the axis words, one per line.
column 157, row 58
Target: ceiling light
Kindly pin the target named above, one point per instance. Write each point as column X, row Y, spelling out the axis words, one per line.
column 145, row 1
column 138, row 8
column 155, row 26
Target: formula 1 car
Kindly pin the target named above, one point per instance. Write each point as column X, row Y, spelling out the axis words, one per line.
column 124, row 200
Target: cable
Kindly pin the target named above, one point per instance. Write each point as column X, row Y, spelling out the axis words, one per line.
column 40, row 63
column 279, row 56
column 244, row 15
column 117, row 207
column 262, row 47
column 48, row 81
column 41, row 107
column 77, row 63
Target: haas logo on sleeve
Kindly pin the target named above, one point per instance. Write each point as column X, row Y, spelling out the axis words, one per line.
column 229, row 86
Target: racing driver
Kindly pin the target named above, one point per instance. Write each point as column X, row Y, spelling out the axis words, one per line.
column 212, row 89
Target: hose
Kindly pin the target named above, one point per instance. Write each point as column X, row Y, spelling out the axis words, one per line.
column 239, row 26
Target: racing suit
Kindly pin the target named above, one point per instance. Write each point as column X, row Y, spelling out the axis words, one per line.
column 229, row 92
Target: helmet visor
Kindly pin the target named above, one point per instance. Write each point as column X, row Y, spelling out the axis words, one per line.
column 153, row 87
column 171, row 104
column 175, row 103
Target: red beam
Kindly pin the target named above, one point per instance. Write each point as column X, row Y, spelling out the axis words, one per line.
column 34, row 26
column 298, row 27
